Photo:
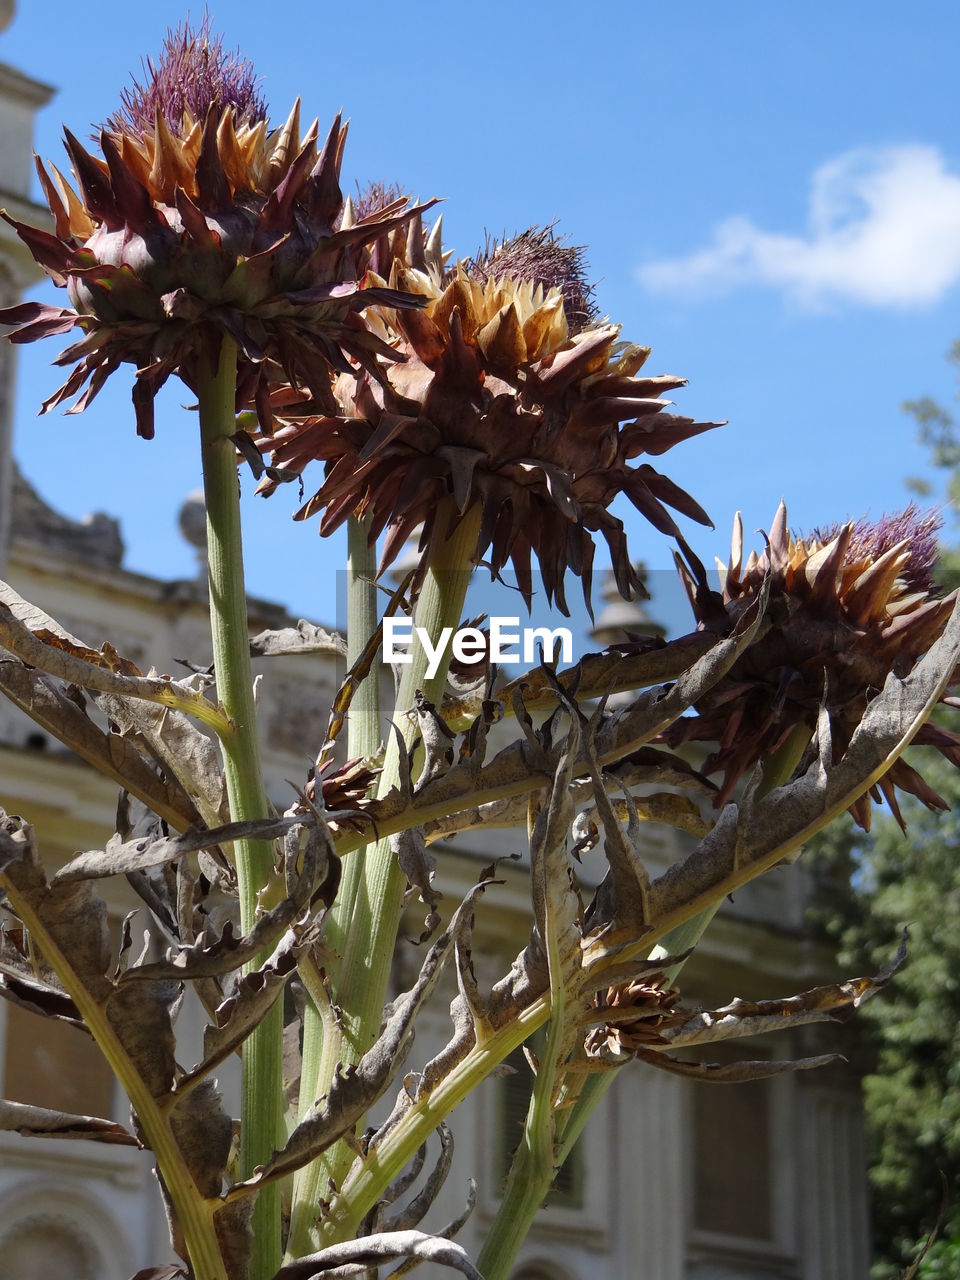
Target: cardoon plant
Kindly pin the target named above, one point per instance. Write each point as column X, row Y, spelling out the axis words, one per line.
column 482, row 405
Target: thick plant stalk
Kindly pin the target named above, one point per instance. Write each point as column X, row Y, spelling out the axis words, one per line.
column 368, row 1179
column 533, row 1169
column 262, row 1052
column 194, row 1213
column 322, row 1037
column 370, row 937
column 534, row 1164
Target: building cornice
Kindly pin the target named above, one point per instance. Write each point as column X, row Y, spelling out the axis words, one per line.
column 19, row 87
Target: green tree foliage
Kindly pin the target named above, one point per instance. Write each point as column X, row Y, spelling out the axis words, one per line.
column 869, row 888
column 939, row 429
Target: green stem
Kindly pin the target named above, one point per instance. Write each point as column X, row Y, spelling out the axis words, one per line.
column 369, row 937
column 534, row 1163
column 368, row 1179
column 262, row 1052
column 527, row 1186
column 322, row 1038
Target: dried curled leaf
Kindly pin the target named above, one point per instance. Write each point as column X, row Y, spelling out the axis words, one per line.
column 829, row 1003
column 354, row 1090
column 734, row 1072
column 68, row 923
column 305, row 637
column 355, row 1257
column 112, row 755
column 52, row 651
column 252, row 998
column 41, row 1122
column 527, row 764
column 412, row 1214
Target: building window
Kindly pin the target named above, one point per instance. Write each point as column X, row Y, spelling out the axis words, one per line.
column 732, row 1164
column 51, row 1064
column 48, row 1063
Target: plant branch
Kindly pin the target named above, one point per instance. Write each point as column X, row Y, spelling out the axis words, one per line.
column 262, row 1053
column 371, row 937
column 322, row 1036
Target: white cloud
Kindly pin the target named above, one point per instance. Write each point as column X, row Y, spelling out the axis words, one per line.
column 883, row 230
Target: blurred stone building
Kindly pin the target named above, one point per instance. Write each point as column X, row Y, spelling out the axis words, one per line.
column 671, row 1182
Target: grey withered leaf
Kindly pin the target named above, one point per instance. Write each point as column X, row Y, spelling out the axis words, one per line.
column 25, row 981
column 42, row 1122
column 179, row 746
column 653, row 711
column 623, row 895
column 105, row 670
column 437, row 741
column 213, row 955
column 113, row 756
column 419, row 866
column 354, row 1090
column 526, row 980
column 525, row 764
column 412, row 1214
column 305, row 637
column 446, row 1232
column 68, row 923
column 734, row 1072
column 123, row 856
column 599, row 674
column 832, row 1002
column 355, row 1257
column 245, row 1008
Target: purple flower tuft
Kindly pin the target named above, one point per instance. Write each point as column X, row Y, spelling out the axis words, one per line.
column 872, row 538
column 194, row 72
column 373, row 197
column 538, row 254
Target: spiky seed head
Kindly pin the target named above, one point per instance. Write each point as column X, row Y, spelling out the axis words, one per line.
column 192, row 229
column 849, row 604
column 494, row 403
column 640, row 1009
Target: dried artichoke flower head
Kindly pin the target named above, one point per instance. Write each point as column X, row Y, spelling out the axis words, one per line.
column 641, row 1009
column 849, row 604
column 503, row 399
column 201, row 222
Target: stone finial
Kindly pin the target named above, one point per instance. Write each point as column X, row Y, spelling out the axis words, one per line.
column 192, row 521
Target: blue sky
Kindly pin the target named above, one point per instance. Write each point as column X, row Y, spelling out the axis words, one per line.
column 770, row 200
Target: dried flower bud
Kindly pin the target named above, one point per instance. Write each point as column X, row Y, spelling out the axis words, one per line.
column 849, row 605
column 196, row 228
column 193, row 73
column 494, row 403
column 644, row 1006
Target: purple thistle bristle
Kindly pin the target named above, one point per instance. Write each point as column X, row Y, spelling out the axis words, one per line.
column 374, row 196
column 874, row 537
column 193, row 73
column 538, row 254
